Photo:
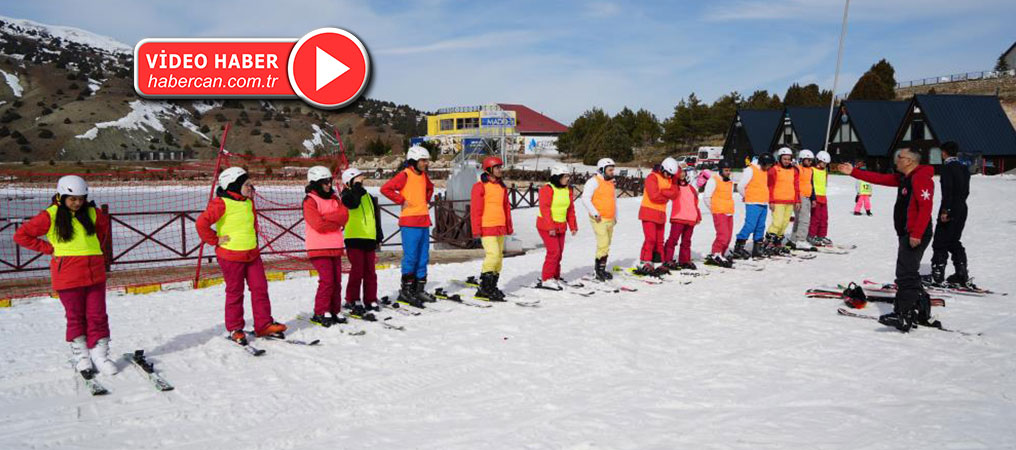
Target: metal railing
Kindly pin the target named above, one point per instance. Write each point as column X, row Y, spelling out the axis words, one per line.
column 969, row 76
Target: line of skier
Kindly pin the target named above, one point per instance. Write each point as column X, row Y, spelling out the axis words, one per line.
column 349, row 223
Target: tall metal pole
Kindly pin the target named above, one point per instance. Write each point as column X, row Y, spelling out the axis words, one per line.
column 836, row 77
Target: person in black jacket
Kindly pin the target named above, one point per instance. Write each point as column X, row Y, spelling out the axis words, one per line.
column 952, row 216
column 363, row 237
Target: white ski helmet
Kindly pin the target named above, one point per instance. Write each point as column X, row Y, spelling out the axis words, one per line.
column 318, row 173
column 558, row 170
column 72, row 185
column 417, row 153
column 824, row 157
column 604, row 163
column 670, row 166
column 784, row 151
column 805, row 154
column 349, row 174
column 228, row 176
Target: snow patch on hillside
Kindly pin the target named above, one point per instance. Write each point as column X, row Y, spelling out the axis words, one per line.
column 25, row 27
column 144, row 115
column 14, row 83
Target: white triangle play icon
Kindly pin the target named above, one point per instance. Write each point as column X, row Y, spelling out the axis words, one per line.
column 328, row 68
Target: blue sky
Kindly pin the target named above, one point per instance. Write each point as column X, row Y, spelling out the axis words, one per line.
column 562, row 58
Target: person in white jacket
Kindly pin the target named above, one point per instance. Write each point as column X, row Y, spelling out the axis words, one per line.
column 600, row 201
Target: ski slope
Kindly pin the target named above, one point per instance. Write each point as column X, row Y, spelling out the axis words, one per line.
column 732, row 360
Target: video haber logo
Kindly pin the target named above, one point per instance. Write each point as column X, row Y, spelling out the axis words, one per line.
column 328, row 68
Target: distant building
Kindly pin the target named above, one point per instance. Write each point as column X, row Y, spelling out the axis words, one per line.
column 156, row 155
column 750, row 134
column 1010, row 56
column 864, row 129
column 976, row 123
column 803, row 127
column 486, row 127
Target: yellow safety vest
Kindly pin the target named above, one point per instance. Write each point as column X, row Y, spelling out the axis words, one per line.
column 237, row 223
column 559, row 205
column 819, row 181
column 81, row 244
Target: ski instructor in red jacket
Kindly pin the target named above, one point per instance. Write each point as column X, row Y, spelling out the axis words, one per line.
column 912, row 218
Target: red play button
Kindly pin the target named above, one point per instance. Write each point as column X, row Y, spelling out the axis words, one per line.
column 329, row 68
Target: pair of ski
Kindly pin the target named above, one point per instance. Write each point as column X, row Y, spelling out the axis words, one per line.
column 277, row 337
column 136, row 359
column 873, row 296
column 472, row 282
column 680, row 277
column 937, row 326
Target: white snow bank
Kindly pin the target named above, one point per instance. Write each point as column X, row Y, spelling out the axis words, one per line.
column 71, row 34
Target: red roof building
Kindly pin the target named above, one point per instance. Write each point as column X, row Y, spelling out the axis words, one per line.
column 529, row 122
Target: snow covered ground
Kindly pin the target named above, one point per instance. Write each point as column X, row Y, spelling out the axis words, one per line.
column 733, row 360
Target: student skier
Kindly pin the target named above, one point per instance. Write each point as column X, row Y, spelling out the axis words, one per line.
column 819, row 228
column 235, row 240
column 600, row 201
column 784, row 197
column 719, row 199
column 491, row 220
column 363, row 236
column 556, row 217
column 324, row 217
column 76, row 233
column 753, row 185
column 863, row 197
column 802, row 221
column 684, row 216
column 413, row 189
column 659, row 189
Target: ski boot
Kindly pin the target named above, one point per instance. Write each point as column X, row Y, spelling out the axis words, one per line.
column 937, row 275
column 270, row 329
column 901, row 321
column 360, row 311
column 338, row 319
column 960, row 278
column 238, row 336
column 857, row 213
column 320, row 319
column 758, row 250
column 407, row 292
column 497, row 291
column 687, row 266
column 868, row 212
column 714, row 260
column 79, row 354
column 601, row 270
column 421, row 291
column 371, row 306
column 100, row 357
column 739, row 252
column 646, row 270
column 671, row 266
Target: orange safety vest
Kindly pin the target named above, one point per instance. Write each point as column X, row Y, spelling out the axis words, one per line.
column 663, row 183
column 415, row 193
column 493, row 206
column 783, row 189
column 806, row 181
column 604, row 199
column 722, row 201
column 757, row 190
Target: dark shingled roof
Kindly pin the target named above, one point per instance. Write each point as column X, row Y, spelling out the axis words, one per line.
column 810, row 123
column 760, row 125
column 976, row 122
column 875, row 122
